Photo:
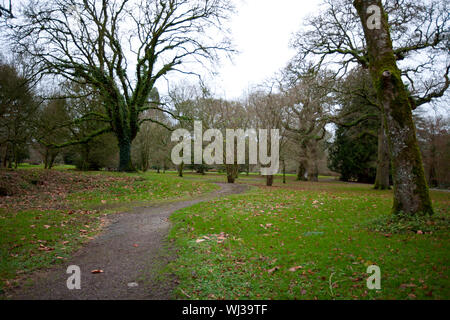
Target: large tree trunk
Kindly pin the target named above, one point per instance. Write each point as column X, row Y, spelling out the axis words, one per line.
column 411, row 195
column 301, row 171
column 125, row 164
column 313, row 169
column 53, row 156
column 382, row 178
column 313, row 172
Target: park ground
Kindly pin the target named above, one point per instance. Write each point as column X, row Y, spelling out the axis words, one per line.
column 298, row 240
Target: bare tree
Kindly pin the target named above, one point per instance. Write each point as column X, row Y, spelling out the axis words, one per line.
column 266, row 108
column 121, row 49
column 308, row 109
column 419, row 32
column 433, row 134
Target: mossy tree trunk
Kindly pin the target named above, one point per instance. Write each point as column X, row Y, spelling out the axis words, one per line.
column 411, row 195
column 125, row 164
column 382, row 178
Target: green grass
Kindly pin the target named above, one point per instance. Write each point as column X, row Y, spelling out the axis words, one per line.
column 42, row 225
column 238, row 247
column 147, row 187
column 321, row 228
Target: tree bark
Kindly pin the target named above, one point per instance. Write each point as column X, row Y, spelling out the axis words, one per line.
column 382, row 178
column 301, row 171
column 269, row 180
column 411, row 195
column 284, row 171
column 231, row 172
column 313, row 169
column 125, row 164
column 52, row 159
column 180, row 170
column 313, row 172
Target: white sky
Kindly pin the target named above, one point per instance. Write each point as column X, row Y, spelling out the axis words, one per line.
column 261, row 31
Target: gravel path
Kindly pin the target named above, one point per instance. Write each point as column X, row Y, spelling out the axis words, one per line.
column 115, row 252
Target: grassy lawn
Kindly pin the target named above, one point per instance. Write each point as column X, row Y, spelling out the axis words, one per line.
column 52, row 213
column 307, row 241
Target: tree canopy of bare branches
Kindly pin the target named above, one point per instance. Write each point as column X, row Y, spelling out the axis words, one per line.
column 120, row 48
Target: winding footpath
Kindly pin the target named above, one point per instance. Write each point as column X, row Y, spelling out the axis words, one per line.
column 128, row 251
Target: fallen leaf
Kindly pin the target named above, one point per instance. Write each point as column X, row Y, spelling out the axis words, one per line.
column 273, row 269
column 199, row 240
column 293, row 269
column 97, row 271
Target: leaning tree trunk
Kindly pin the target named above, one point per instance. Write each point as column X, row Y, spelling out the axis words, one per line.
column 382, row 178
column 411, row 195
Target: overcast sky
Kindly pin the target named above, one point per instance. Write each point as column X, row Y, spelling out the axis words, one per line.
column 261, row 30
